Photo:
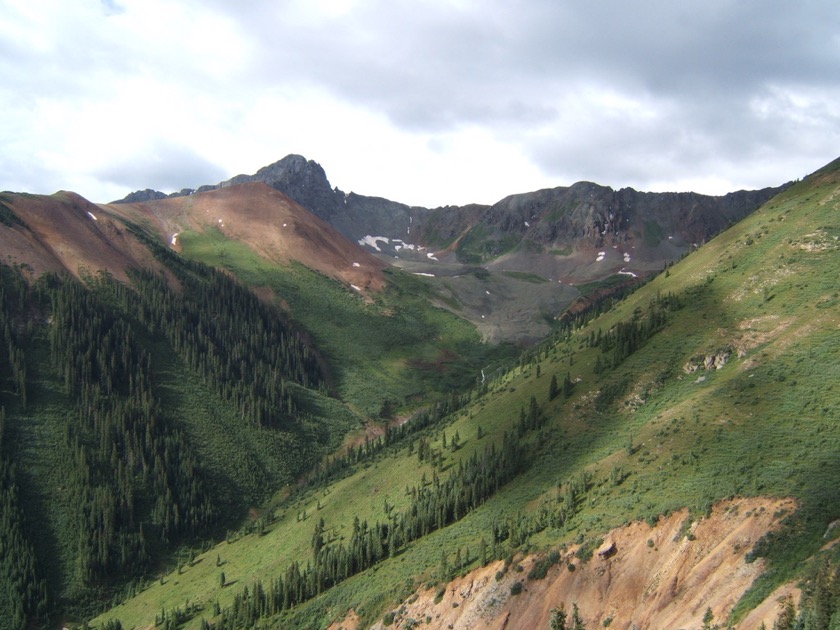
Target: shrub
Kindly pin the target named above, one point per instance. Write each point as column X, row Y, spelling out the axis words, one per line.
column 541, row 566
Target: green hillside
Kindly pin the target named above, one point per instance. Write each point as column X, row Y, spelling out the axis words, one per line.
column 718, row 378
column 180, row 452
column 386, row 353
column 138, row 422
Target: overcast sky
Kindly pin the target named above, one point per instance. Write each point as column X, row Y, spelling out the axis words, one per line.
column 425, row 102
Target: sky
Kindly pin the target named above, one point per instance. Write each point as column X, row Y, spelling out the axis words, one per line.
column 424, row 102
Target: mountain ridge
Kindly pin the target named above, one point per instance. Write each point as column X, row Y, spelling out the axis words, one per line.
column 561, row 215
column 559, row 238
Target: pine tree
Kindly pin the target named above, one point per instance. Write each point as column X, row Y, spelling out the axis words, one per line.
column 553, row 388
column 787, row 617
column 568, row 385
column 577, row 621
column 558, row 618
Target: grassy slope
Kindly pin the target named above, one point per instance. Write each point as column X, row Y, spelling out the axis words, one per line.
column 765, row 423
column 392, row 349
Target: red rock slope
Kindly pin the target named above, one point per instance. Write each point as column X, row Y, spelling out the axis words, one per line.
column 66, row 232
column 665, row 577
column 266, row 220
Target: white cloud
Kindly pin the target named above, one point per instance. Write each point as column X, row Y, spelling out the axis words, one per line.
column 425, row 102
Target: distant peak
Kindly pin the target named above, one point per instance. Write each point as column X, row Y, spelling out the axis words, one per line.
column 139, row 196
column 292, row 164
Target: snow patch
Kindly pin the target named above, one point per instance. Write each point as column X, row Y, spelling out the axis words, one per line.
column 174, row 240
column 626, row 257
column 92, row 216
column 527, row 224
column 355, row 287
column 398, row 244
column 431, row 256
column 601, row 256
column 403, row 245
column 373, row 241
column 420, row 273
column 627, row 273
column 355, row 264
column 487, row 292
column 285, row 224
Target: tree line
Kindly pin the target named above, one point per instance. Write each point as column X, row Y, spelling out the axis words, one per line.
column 626, row 337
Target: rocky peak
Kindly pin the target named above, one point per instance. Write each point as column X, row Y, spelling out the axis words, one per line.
column 140, row 196
column 304, row 181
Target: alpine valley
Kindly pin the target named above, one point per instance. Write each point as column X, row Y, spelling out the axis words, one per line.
column 268, row 403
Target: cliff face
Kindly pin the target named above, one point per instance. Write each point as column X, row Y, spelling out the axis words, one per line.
column 602, row 217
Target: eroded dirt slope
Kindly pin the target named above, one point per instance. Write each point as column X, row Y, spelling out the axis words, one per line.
column 662, row 577
column 66, row 232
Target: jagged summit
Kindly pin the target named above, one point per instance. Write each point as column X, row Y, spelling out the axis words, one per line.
column 139, row 196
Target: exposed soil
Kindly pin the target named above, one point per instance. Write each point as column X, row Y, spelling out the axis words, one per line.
column 268, row 222
column 65, row 232
column 664, row 577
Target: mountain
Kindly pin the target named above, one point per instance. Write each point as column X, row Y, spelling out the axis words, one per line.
column 214, row 430
column 583, row 216
column 269, row 222
column 67, row 233
column 533, row 251
column 149, row 400
column 668, row 463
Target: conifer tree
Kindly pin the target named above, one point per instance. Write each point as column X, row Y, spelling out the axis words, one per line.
column 552, row 388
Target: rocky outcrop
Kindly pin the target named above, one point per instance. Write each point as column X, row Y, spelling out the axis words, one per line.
column 712, row 361
column 140, row 196
column 606, row 217
column 304, row 181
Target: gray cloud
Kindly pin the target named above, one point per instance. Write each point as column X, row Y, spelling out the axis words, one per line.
column 162, row 166
column 699, row 66
column 622, row 93
column 454, row 65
